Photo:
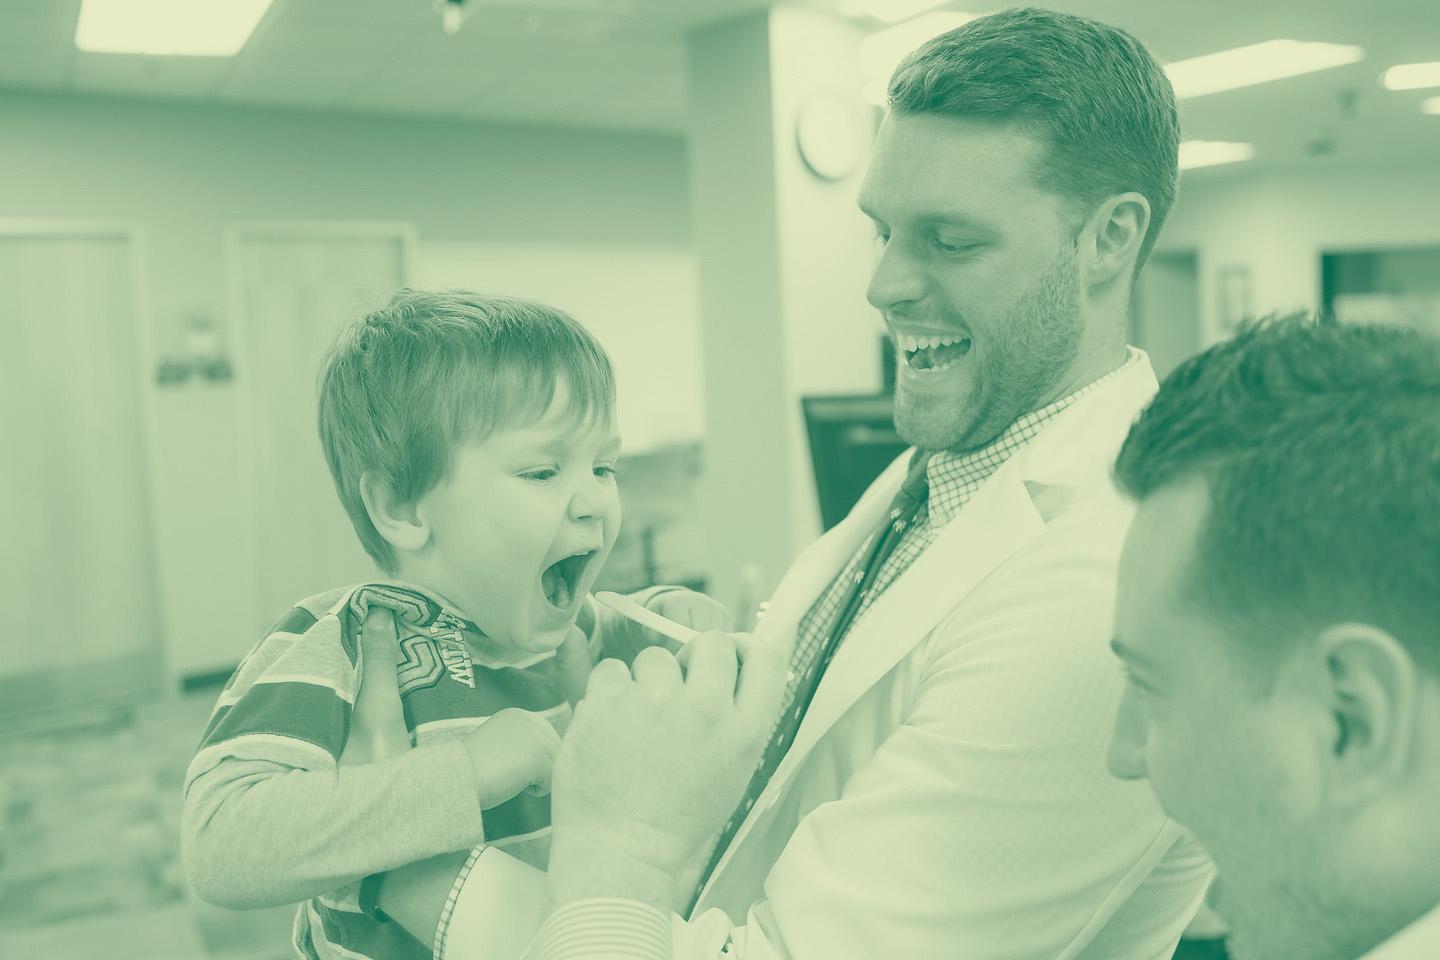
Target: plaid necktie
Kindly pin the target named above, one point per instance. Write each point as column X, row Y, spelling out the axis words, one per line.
column 898, row 519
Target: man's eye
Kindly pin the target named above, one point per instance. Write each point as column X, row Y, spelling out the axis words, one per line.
column 953, row 249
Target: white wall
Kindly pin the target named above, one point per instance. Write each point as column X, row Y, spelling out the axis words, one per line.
column 784, row 258
column 641, row 303
column 181, row 172
column 1277, row 224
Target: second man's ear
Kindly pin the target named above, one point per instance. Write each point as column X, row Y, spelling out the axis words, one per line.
column 1371, row 685
column 398, row 521
column 1119, row 226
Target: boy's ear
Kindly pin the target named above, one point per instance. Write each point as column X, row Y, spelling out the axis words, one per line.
column 397, row 520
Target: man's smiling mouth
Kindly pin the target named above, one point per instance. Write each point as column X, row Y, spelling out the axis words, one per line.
column 933, row 354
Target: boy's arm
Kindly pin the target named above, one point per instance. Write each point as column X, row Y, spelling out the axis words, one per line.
column 257, row 833
column 270, row 817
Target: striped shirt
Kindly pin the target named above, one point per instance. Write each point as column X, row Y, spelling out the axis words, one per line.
column 289, row 707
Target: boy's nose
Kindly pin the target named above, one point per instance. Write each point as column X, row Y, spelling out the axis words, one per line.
column 588, row 503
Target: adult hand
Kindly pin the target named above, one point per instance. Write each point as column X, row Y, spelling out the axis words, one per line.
column 623, row 638
column 654, row 761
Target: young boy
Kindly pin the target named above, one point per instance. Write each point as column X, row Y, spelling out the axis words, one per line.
column 472, row 442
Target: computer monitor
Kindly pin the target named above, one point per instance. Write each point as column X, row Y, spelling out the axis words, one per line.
column 852, row 439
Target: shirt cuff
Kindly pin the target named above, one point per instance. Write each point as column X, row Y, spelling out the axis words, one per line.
column 604, row 928
column 443, row 927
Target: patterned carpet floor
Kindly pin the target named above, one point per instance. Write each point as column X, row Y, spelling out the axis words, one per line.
column 89, row 858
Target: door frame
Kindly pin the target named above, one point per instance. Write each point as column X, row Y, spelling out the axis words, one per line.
column 238, row 336
column 147, row 672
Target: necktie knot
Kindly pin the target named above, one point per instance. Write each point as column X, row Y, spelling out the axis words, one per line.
column 917, row 478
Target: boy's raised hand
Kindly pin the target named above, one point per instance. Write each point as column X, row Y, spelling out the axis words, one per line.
column 512, row 751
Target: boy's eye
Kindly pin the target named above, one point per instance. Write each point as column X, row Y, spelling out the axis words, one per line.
column 605, row 470
column 547, row 473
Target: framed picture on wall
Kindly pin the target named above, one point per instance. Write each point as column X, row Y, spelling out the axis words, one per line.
column 1233, row 296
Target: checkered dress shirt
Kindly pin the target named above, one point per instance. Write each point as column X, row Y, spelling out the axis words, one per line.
column 953, row 479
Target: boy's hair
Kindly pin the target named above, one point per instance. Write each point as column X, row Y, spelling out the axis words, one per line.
column 1091, row 92
column 1320, row 448
column 406, row 384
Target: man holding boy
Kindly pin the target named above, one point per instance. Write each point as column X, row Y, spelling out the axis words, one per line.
column 934, row 784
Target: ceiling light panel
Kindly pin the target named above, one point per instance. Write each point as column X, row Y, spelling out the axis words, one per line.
column 890, row 11
column 1256, row 63
column 1412, row 76
column 1210, row 153
column 178, row 28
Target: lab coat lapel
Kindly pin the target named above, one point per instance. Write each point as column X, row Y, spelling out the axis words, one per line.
column 996, row 523
column 822, row 561
column 1074, row 452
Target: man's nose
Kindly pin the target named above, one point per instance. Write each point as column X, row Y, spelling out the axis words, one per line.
column 1126, row 757
column 895, row 280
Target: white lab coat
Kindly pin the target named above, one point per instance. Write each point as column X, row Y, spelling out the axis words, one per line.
column 946, row 794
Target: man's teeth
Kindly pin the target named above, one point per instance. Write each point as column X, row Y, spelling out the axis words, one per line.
column 910, row 344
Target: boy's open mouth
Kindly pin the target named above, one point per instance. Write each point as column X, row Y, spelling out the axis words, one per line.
column 560, row 581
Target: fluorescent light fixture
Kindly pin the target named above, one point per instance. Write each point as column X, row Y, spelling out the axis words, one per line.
column 882, row 51
column 1412, row 76
column 890, row 11
column 1430, row 105
column 1257, row 63
column 1209, row 153
column 178, row 28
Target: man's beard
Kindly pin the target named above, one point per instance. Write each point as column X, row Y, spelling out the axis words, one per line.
column 1287, row 900
column 1020, row 362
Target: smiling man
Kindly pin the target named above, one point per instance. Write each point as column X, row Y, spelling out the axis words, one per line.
column 1279, row 616
column 934, row 782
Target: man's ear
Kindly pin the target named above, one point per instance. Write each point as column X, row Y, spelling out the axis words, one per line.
column 1118, row 229
column 398, row 521
column 1371, row 685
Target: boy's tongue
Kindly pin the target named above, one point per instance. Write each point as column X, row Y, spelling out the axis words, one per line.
column 555, row 587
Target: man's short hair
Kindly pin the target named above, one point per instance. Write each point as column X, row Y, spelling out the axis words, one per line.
column 406, row 384
column 1320, row 448
column 1090, row 91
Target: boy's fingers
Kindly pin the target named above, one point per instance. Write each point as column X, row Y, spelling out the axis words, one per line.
column 694, row 610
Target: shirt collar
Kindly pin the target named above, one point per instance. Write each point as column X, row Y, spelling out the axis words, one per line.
column 954, row 477
column 444, row 617
column 1419, row 941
